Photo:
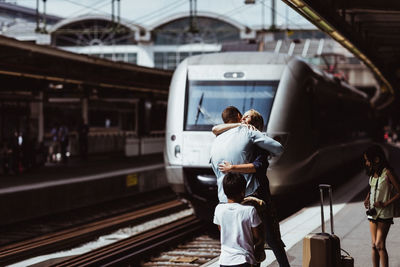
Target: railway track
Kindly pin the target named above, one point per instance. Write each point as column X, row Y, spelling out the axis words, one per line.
column 131, row 251
column 70, row 237
column 191, row 254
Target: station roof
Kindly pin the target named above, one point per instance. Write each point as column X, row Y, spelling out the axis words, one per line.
column 368, row 28
column 26, row 65
column 17, row 11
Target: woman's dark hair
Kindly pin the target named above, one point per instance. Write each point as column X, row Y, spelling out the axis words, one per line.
column 234, row 185
column 373, row 152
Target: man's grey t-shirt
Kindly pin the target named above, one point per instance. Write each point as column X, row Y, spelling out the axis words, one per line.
column 237, row 146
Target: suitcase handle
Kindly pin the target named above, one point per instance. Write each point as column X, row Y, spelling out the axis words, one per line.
column 321, row 191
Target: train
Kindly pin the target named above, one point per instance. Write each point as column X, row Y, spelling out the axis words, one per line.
column 321, row 121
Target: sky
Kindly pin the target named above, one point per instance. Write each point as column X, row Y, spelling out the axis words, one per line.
column 149, row 12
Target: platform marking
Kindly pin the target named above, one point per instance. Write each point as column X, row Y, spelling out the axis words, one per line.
column 79, row 179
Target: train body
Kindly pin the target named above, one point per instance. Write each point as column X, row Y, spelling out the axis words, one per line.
column 321, row 121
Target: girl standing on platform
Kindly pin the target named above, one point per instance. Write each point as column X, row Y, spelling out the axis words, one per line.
column 379, row 201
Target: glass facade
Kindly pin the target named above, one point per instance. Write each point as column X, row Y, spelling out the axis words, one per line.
column 204, row 30
column 91, row 32
column 170, row 60
column 125, row 57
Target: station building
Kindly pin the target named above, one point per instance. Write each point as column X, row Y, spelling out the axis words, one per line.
column 170, row 40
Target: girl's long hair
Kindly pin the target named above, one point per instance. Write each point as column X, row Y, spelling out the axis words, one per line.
column 373, row 152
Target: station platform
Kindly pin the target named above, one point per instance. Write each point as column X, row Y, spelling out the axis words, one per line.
column 350, row 224
column 58, row 187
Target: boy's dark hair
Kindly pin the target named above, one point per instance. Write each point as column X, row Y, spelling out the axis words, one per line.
column 373, row 152
column 234, row 184
column 230, row 114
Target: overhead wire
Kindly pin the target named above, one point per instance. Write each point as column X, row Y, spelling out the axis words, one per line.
column 97, row 6
column 282, row 16
column 87, row 7
column 235, row 10
column 165, row 9
column 153, row 14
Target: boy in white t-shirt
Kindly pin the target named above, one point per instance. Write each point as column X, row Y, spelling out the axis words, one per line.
column 239, row 225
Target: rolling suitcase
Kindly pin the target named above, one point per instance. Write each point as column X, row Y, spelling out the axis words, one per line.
column 322, row 249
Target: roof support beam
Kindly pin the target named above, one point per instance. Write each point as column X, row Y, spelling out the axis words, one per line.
column 389, row 5
column 326, row 16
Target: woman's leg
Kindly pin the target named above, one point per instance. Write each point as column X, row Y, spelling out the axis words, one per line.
column 375, row 254
column 380, row 244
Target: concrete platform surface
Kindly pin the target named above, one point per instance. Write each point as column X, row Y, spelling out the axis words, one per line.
column 76, row 167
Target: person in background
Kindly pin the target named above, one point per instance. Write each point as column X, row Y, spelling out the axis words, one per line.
column 83, row 131
column 63, row 136
column 3, row 157
column 238, row 224
column 15, row 153
column 379, row 201
column 54, row 148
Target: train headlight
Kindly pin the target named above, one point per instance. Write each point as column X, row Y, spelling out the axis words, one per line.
column 177, row 151
column 234, row 75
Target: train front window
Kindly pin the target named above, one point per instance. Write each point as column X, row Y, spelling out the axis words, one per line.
column 205, row 101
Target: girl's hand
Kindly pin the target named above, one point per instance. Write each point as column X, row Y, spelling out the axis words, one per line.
column 379, row 204
column 366, row 203
column 225, row 167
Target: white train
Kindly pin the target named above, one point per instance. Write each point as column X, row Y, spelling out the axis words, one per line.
column 321, row 121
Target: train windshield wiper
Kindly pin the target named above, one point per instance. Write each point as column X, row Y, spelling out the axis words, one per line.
column 199, row 109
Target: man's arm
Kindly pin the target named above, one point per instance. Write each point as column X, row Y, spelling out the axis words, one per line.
column 226, row 167
column 266, row 143
column 220, row 128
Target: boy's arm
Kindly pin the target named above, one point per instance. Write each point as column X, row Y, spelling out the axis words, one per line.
column 256, row 228
column 215, row 219
column 257, row 237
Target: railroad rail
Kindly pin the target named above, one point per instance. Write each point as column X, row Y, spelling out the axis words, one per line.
column 132, row 250
column 73, row 236
column 194, row 253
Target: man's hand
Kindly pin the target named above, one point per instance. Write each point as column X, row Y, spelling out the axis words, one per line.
column 225, row 167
